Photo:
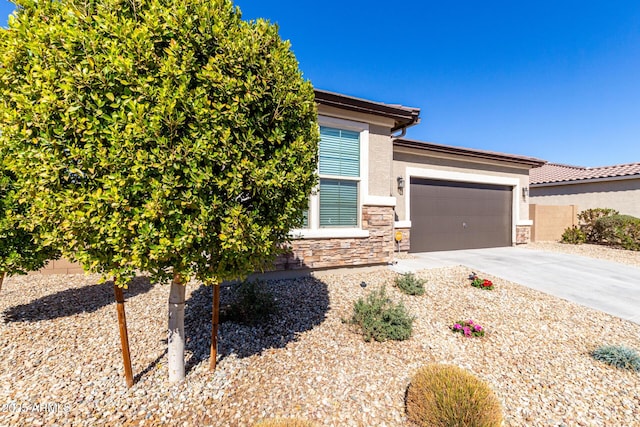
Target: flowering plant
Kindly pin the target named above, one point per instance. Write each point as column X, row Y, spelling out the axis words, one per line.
column 480, row 283
column 468, row 328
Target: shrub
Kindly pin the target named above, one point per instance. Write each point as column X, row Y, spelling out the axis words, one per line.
column 618, row 356
column 253, row 305
column 410, row 284
column 468, row 328
column 619, row 230
column 446, row 395
column 588, row 218
column 478, row 282
column 380, row 319
column 573, row 235
column 285, row 422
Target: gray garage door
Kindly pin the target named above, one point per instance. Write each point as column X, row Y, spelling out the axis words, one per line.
column 449, row 215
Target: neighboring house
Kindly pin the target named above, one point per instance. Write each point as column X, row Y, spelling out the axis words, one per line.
column 376, row 188
column 616, row 187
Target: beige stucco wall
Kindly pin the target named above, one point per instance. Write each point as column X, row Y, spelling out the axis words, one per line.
column 622, row 195
column 413, row 158
column 549, row 222
column 60, row 266
column 380, row 161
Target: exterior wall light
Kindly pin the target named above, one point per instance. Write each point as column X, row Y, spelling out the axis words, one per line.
column 525, row 193
column 400, row 183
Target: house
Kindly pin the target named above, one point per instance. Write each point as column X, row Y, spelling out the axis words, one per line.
column 379, row 192
column 616, row 187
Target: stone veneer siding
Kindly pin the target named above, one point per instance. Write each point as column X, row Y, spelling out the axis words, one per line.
column 405, row 243
column 523, row 234
column 336, row 252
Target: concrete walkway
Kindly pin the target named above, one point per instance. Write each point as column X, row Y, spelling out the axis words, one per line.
column 604, row 285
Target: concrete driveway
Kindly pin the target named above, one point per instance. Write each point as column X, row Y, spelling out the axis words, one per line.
column 604, row 285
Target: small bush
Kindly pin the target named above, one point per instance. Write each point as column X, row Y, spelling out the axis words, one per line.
column 446, row 395
column 468, row 328
column 380, row 319
column 588, row 218
column 618, row 356
column 619, row 230
column 573, row 235
column 478, row 282
column 253, row 305
column 410, row 284
column 285, row 422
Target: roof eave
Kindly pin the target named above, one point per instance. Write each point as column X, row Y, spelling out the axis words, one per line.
column 402, row 116
column 480, row 154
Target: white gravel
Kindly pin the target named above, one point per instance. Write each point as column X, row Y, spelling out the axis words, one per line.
column 61, row 352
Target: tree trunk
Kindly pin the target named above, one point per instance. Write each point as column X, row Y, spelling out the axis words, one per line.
column 2, row 275
column 176, row 330
column 124, row 335
column 215, row 317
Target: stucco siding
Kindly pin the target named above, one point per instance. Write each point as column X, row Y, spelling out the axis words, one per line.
column 622, row 195
column 380, row 159
column 414, row 159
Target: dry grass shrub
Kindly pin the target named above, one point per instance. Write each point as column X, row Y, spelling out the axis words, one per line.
column 448, row 396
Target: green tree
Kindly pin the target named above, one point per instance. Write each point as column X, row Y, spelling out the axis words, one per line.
column 162, row 136
column 20, row 249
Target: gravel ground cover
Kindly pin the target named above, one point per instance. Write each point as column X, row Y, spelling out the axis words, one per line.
column 589, row 250
column 61, row 363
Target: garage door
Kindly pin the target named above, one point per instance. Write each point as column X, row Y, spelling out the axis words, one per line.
column 449, row 215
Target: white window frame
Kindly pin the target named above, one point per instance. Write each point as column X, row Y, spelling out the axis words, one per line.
column 314, row 230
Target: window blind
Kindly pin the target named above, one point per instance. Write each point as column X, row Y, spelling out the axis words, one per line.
column 339, row 152
column 338, row 203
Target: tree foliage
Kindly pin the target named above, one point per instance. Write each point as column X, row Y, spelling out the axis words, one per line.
column 20, row 249
column 156, row 135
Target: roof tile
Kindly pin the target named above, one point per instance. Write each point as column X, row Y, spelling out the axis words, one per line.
column 553, row 172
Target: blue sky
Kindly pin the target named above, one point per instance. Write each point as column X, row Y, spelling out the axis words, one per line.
column 558, row 80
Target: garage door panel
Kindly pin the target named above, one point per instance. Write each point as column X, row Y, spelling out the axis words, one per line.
column 453, row 215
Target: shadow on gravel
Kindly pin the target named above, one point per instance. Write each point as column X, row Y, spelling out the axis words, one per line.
column 302, row 304
column 73, row 301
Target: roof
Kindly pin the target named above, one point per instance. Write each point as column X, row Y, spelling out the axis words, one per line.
column 557, row 173
column 403, row 116
column 469, row 152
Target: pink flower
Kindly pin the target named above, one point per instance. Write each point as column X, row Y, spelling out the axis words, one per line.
column 470, row 322
column 478, row 328
column 467, row 331
column 457, row 326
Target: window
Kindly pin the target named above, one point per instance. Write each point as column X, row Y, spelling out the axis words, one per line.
column 339, row 170
column 338, row 203
column 335, row 205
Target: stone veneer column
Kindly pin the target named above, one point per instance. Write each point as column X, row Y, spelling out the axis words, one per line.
column 405, row 243
column 523, row 234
